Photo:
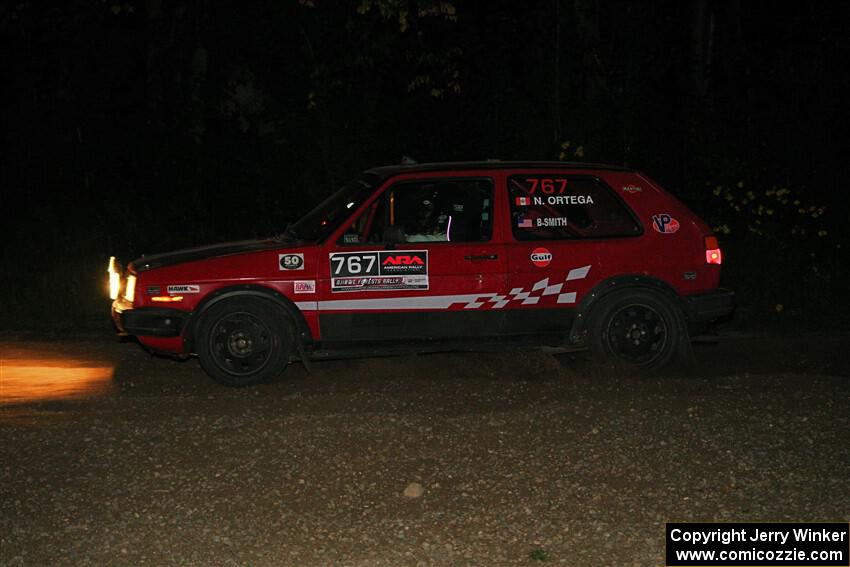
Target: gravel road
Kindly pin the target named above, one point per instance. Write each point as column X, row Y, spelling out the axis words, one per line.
column 111, row 457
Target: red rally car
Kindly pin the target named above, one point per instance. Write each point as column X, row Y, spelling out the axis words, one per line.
column 451, row 253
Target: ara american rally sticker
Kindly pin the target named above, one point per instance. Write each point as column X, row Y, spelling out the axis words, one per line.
column 379, row 271
column 665, row 223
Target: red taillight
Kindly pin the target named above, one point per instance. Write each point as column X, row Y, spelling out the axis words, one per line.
column 713, row 255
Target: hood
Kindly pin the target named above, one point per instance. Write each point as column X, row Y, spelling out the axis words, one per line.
column 149, row 262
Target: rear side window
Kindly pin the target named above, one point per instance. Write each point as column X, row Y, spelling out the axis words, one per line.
column 562, row 207
column 433, row 210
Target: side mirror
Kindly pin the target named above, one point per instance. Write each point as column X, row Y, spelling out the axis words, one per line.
column 394, row 235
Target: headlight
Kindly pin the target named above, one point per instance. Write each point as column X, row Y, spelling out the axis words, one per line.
column 130, row 290
column 114, row 278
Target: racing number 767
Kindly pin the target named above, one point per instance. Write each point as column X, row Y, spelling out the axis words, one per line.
column 352, row 264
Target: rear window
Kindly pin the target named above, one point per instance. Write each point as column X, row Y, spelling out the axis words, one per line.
column 563, row 207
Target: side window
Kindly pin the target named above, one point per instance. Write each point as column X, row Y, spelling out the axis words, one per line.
column 436, row 210
column 556, row 207
column 357, row 230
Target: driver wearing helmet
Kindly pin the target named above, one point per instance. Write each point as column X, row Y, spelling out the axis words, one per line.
column 429, row 225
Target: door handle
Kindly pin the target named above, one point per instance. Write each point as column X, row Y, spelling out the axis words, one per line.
column 482, row 257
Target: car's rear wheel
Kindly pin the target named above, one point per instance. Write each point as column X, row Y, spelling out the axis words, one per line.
column 636, row 329
column 244, row 341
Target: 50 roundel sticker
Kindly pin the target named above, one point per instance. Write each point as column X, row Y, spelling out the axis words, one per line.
column 290, row 261
column 541, row 257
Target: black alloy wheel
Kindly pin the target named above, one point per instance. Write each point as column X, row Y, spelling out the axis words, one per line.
column 244, row 341
column 636, row 329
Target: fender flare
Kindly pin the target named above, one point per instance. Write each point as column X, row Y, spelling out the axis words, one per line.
column 303, row 334
column 617, row 283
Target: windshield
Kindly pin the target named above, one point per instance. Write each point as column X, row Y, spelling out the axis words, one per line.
column 329, row 214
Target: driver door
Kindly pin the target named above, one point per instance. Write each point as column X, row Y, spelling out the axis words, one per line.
column 418, row 262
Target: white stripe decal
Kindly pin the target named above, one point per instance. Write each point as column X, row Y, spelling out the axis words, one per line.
column 540, row 289
column 553, row 289
column 578, row 273
column 425, row 302
column 567, row 297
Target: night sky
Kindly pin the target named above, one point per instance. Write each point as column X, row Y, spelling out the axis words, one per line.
column 133, row 127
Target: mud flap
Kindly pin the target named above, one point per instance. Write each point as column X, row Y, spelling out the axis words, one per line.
column 685, row 357
column 302, row 355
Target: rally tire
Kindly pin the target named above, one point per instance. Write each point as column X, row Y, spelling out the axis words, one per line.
column 244, row 341
column 638, row 331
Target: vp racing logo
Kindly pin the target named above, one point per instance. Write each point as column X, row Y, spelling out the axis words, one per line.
column 665, row 223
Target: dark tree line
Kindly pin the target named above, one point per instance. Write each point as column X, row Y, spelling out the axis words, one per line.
column 134, row 126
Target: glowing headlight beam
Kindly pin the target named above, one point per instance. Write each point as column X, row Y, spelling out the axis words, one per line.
column 114, row 278
column 130, row 289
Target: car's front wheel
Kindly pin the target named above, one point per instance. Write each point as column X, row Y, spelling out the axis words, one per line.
column 636, row 329
column 244, row 341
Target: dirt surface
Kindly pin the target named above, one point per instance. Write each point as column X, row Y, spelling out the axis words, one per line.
column 111, row 457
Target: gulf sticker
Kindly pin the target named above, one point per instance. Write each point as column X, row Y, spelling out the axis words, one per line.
column 541, row 257
column 665, row 223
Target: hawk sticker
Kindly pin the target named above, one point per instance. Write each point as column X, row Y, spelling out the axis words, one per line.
column 181, row 289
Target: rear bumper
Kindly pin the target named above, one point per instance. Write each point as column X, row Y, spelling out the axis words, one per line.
column 704, row 308
column 148, row 321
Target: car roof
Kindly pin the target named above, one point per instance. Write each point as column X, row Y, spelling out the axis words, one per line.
column 387, row 171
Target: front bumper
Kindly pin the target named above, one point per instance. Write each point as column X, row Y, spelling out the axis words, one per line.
column 704, row 308
column 148, row 321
